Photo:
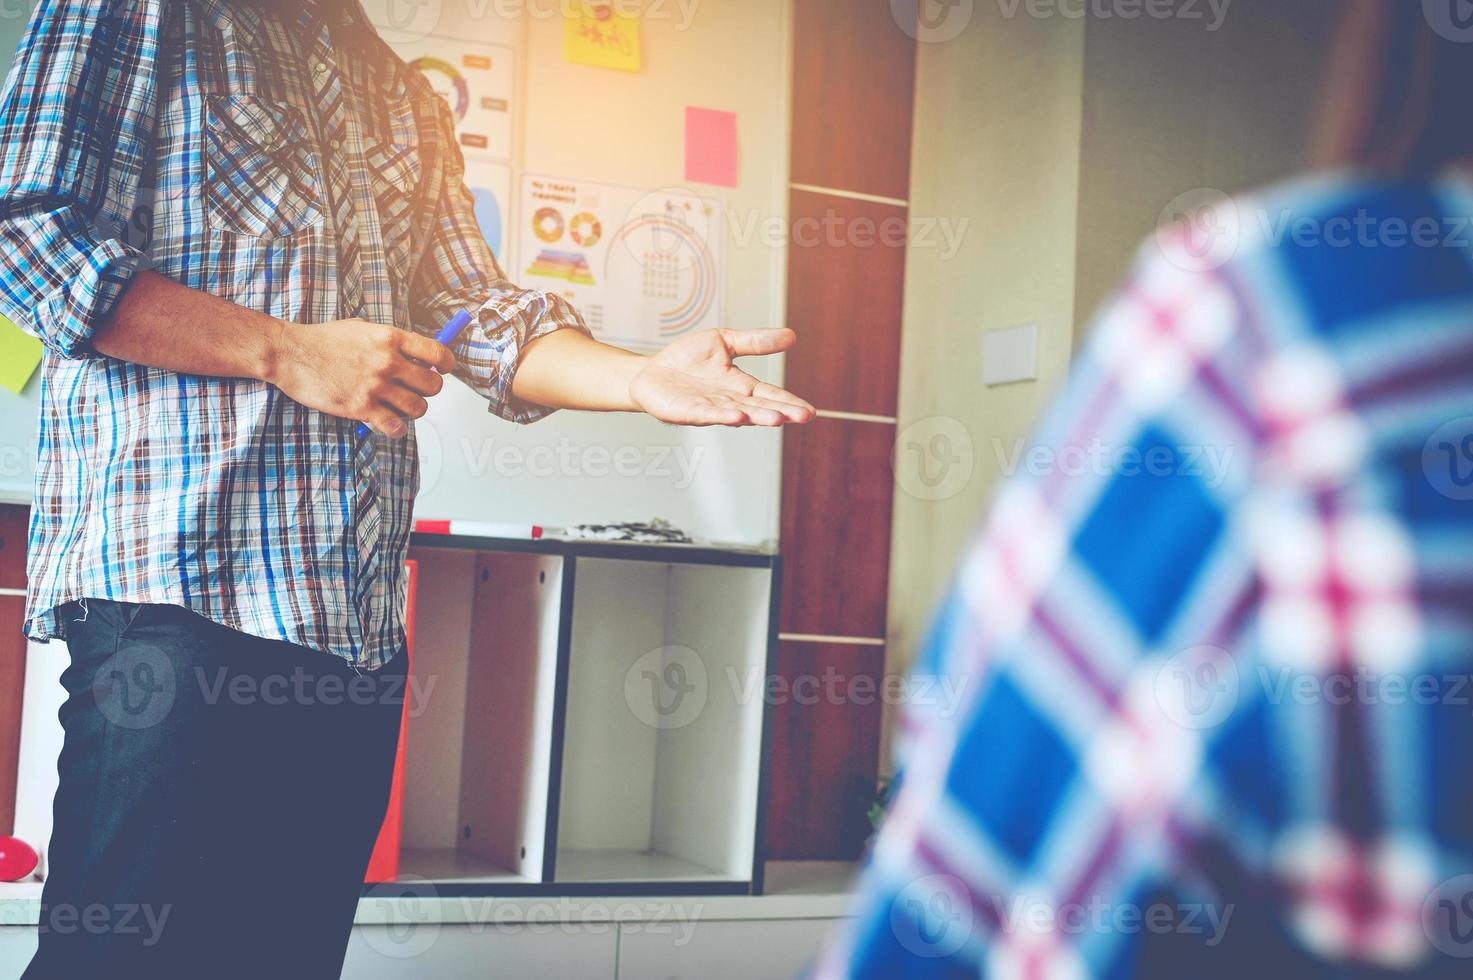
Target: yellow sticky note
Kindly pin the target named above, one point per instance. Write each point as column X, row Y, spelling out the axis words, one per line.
column 20, row 355
column 598, row 35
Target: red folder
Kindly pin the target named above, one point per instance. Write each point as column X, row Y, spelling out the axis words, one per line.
column 384, row 865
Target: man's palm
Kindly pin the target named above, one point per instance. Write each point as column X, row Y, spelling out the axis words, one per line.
column 695, row 382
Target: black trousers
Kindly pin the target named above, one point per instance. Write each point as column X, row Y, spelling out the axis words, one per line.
column 219, row 799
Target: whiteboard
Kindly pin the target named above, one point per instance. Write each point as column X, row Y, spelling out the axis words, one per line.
column 18, row 442
column 629, row 129
column 619, row 128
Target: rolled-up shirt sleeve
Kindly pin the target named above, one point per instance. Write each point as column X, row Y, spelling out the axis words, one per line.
column 458, row 272
column 76, row 117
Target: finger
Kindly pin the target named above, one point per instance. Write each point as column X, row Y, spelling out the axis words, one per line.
column 427, row 351
column 704, row 413
column 402, row 401
column 718, row 415
column 385, row 422
column 757, row 414
column 755, row 343
column 793, row 410
column 418, row 378
column 784, row 411
column 763, row 419
column 772, row 392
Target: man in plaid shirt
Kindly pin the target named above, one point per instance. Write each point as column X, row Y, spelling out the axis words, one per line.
column 202, row 501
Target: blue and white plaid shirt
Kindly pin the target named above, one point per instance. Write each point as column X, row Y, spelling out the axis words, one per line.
column 1218, row 635
column 289, row 163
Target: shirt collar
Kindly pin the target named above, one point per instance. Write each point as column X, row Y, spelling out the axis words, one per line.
column 226, row 15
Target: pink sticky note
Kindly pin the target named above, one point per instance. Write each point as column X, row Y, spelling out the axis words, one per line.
column 711, row 146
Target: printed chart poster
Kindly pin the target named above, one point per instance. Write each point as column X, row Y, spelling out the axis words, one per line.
column 490, row 184
column 643, row 267
column 479, row 83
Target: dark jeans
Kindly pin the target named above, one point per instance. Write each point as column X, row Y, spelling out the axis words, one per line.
column 220, row 796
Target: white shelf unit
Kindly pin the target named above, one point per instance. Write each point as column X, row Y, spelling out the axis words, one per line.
column 586, row 718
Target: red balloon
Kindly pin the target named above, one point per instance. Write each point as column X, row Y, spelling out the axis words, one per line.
column 17, row 859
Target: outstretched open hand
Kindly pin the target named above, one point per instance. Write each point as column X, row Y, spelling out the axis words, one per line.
column 695, row 382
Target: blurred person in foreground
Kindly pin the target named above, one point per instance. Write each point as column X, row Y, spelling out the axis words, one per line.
column 1221, row 720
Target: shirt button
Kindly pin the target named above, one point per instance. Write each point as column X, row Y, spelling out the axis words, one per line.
column 320, row 70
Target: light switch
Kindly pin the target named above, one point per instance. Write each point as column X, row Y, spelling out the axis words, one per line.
column 1010, row 355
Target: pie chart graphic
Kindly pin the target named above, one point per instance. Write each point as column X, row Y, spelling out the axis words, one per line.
column 586, row 229
column 548, row 224
column 448, row 82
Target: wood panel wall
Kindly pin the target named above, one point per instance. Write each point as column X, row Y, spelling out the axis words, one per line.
column 853, row 92
column 820, row 801
column 12, row 655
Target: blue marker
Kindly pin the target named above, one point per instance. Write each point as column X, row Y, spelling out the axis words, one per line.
column 445, row 338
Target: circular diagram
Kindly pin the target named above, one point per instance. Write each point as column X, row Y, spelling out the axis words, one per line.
column 458, row 93
column 586, row 229
column 549, row 225
column 685, row 258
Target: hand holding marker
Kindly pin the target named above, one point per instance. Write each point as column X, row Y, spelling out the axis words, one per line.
column 445, row 338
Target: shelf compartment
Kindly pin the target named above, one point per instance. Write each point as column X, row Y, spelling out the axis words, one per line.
column 455, row 865
column 661, row 755
column 478, row 758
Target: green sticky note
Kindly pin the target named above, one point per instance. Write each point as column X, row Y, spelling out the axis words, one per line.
column 20, row 355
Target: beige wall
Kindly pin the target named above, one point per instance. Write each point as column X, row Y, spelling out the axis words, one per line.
column 1171, row 107
column 1060, row 140
column 997, row 146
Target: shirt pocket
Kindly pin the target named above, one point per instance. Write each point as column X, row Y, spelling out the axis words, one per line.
column 260, row 168
column 396, row 173
column 393, row 158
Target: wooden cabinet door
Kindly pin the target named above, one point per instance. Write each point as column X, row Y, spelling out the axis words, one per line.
column 12, row 655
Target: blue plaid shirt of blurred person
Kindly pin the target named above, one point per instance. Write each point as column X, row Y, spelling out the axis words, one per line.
column 1220, row 719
